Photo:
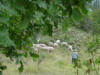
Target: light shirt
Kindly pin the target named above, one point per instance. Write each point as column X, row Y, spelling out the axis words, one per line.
column 75, row 55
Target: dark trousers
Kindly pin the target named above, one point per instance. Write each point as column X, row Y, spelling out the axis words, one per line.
column 74, row 61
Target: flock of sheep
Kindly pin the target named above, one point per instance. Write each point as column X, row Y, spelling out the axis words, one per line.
column 51, row 46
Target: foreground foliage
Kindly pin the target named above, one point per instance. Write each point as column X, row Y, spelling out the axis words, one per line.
column 22, row 20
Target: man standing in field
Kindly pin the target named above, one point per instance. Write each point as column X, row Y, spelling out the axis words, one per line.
column 75, row 60
column 74, row 57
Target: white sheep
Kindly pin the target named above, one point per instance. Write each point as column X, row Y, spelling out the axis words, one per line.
column 43, row 45
column 49, row 49
column 39, row 45
column 58, row 41
column 36, row 50
column 64, row 43
column 55, row 44
column 51, row 43
column 36, row 45
column 70, row 47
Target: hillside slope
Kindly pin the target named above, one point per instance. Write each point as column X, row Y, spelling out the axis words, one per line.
column 59, row 61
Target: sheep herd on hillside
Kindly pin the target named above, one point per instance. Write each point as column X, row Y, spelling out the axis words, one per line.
column 51, row 46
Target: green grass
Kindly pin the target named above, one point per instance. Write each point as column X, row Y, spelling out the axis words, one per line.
column 57, row 62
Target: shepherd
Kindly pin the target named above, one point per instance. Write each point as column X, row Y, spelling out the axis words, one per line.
column 74, row 57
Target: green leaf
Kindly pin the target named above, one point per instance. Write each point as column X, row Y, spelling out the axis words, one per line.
column 24, row 24
column 97, row 61
column 19, row 4
column 84, row 10
column 3, row 67
column 0, row 72
column 41, row 4
column 25, row 54
column 21, row 68
column 38, row 18
column 10, row 11
column 34, row 56
column 4, row 20
column 76, row 14
column 5, row 41
column 65, row 26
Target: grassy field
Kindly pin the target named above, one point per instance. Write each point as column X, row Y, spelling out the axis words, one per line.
column 56, row 63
